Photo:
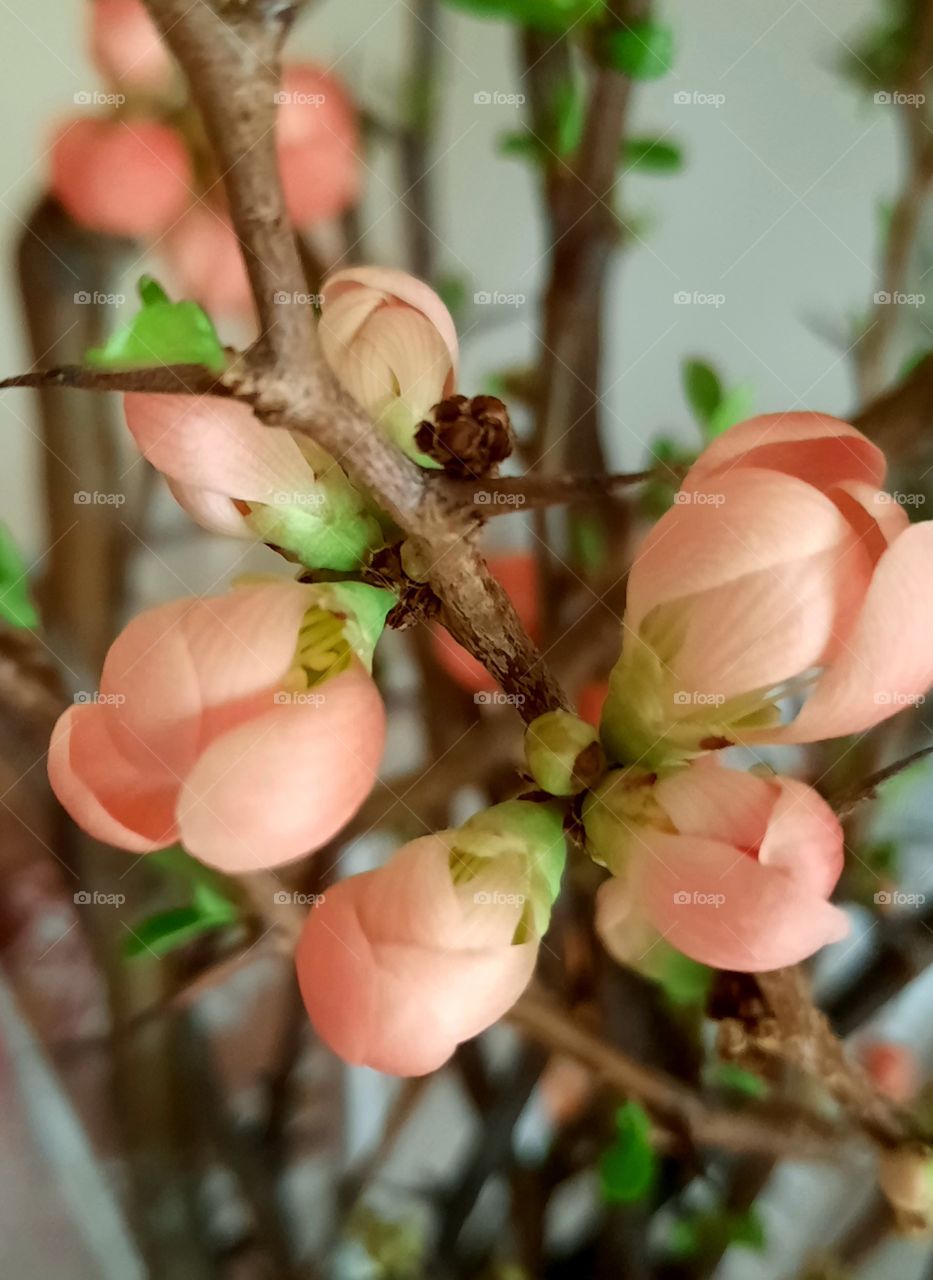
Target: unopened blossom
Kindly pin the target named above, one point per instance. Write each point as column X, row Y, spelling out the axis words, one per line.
column 732, row 869
column 127, row 48
column 245, row 726
column 782, row 572
column 317, row 137
column 399, row 965
column 121, row 177
column 238, row 477
column 517, row 573
column 206, row 263
column 392, row 343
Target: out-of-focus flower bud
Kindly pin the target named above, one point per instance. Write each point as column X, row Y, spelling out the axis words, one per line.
column 563, row 753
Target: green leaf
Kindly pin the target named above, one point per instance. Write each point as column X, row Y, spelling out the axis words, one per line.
column 726, row 1075
column 522, row 145
column 735, row 406
column 703, row 390
column 685, row 982
column 16, row 606
column 652, row 155
column 747, row 1230
column 642, row 50
column 628, row 1169
column 162, row 332
column 166, row 932
column 543, row 15
column 711, row 1232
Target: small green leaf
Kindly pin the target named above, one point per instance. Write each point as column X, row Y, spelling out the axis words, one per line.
column 628, row 1169
column 162, row 332
column 652, row 155
column 747, row 1230
column 166, row 932
column 642, row 50
column 685, row 982
column 735, row 406
column 703, row 390
column 16, row 606
column 726, row 1075
column 522, row 145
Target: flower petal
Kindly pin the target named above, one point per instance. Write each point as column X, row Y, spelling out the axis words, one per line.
column 282, row 784
column 722, row 907
column 114, row 800
column 887, row 662
column 220, row 445
column 815, row 447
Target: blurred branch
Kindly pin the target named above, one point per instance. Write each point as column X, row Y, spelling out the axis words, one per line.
column 867, row 788
column 676, row 1107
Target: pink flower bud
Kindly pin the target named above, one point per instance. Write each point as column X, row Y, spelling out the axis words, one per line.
column 732, row 869
column 127, row 48
column 209, row 730
column 781, row 557
column 317, row 142
column 121, row 177
column 392, row 343
column 206, row 263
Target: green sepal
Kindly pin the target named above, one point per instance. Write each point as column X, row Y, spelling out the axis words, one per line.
column 321, row 536
column 162, row 332
column 366, row 609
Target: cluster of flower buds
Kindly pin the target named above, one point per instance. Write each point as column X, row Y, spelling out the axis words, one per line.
column 138, row 165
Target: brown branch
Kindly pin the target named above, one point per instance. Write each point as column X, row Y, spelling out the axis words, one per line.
column 673, row 1104
column 867, row 788
column 171, row 379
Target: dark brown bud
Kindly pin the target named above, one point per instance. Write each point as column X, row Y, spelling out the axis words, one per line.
column 469, row 438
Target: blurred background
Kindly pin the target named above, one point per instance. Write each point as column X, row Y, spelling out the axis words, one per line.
column 218, row 1139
